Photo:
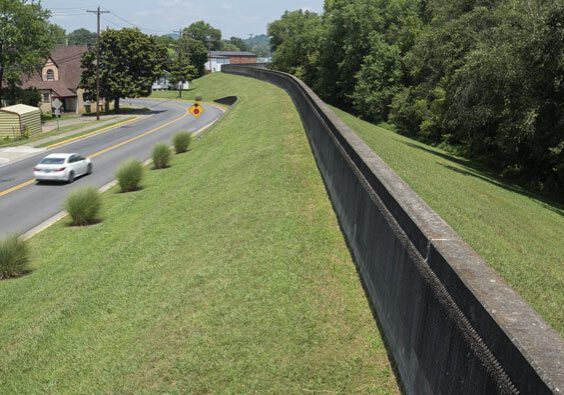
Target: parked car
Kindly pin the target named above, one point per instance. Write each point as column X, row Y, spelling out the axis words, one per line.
column 62, row 167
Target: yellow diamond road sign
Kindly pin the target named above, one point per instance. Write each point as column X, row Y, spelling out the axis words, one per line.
column 196, row 110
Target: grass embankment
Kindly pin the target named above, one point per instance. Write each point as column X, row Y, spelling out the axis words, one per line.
column 226, row 273
column 54, row 132
column 519, row 234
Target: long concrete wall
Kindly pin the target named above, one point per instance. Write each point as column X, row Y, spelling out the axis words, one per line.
column 452, row 324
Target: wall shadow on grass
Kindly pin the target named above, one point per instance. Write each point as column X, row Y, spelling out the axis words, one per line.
column 473, row 169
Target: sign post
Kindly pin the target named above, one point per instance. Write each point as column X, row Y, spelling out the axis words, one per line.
column 57, row 104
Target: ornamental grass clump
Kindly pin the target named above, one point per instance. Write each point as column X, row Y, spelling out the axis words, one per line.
column 161, row 156
column 181, row 142
column 14, row 257
column 129, row 175
column 83, row 206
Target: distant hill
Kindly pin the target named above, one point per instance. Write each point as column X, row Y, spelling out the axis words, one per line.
column 259, row 44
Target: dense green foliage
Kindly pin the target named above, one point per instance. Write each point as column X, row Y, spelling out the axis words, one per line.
column 483, row 76
column 81, row 37
column 161, row 156
column 259, row 44
column 204, row 33
column 194, row 50
column 181, row 142
column 14, row 257
column 25, row 40
column 58, row 34
column 129, row 175
column 83, row 206
column 130, row 61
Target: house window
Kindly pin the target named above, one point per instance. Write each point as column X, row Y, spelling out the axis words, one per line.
column 50, row 75
column 45, row 97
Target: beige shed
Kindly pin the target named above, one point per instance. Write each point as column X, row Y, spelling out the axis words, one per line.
column 19, row 120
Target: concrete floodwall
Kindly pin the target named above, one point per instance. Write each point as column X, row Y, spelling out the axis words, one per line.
column 452, row 324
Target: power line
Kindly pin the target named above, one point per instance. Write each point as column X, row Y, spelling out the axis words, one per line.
column 112, row 23
column 72, row 8
column 137, row 26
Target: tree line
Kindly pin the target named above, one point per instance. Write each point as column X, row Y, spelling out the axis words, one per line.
column 484, row 77
column 130, row 60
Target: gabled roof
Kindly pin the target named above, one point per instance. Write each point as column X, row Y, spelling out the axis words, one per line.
column 67, row 59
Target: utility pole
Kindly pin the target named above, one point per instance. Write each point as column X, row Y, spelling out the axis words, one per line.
column 98, row 12
column 180, row 64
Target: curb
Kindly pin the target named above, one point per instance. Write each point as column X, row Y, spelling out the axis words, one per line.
column 62, row 214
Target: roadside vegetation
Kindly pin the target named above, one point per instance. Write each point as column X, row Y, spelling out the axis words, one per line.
column 14, row 257
column 129, row 175
column 226, row 273
column 181, row 142
column 83, row 206
column 520, row 234
column 161, row 156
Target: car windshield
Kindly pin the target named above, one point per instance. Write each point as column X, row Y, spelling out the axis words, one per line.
column 52, row 161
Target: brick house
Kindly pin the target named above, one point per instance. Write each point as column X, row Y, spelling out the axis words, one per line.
column 60, row 78
column 218, row 58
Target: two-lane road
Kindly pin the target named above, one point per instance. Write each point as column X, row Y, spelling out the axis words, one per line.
column 25, row 204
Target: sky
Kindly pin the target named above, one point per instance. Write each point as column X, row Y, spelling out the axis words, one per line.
column 234, row 17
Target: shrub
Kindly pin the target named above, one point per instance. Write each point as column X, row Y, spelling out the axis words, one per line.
column 14, row 257
column 83, row 205
column 161, row 156
column 198, row 98
column 129, row 175
column 181, row 141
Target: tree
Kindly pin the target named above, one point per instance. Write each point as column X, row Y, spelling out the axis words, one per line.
column 204, row 33
column 228, row 46
column 295, row 41
column 239, row 43
column 181, row 71
column 482, row 75
column 194, row 50
column 129, row 64
column 58, row 34
column 25, row 39
column 81, row 37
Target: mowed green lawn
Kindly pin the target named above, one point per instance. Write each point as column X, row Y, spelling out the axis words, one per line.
column 517, row 233
column 227, row 273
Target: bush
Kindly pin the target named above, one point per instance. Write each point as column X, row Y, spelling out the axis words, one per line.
column 161, row 156
column 198, row 98
column 181, row 141
column 83, row 205
column 14, row 257
column 129, row 175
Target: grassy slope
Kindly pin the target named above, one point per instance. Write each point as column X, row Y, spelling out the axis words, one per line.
column 226, row 273
column 54, row 132
column 521, row 236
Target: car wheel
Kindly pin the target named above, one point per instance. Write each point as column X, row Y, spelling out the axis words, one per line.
column 89, row 169
column 71, row 177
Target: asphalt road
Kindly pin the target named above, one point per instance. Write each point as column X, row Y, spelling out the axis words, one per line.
column 25, row 204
